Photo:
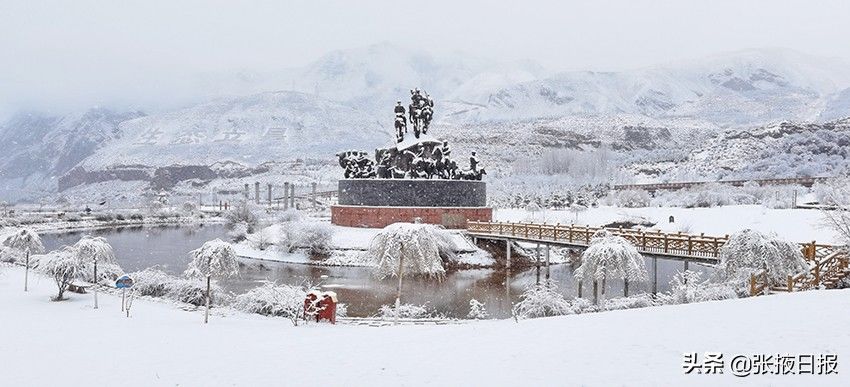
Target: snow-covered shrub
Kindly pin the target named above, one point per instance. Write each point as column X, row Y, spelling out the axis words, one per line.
column 477, row 310
column 190, row 207
column 631, row 302
column 152, row 282
column 242, row 213
column 194, row 291
column 749, row 251
column 8, row 254
column 542, row 300
column 261, row 239
column 63, row 266
column 629, row 198
column 583, row 305
column 238, row 233
column 166, row 213
column 611, row 256
column 271, row 299
column 418, row 246
column 688, row 286
column 315, row 236
column 341, row 310
column 104, row 217
column 289, row 215
column 410, row 311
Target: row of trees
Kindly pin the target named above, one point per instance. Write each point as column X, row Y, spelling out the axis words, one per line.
column 92, row 259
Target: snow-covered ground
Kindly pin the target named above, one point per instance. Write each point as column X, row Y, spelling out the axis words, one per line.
column 69, row 343
column 798, row 225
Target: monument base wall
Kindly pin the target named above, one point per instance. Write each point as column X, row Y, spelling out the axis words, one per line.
column 380, row 217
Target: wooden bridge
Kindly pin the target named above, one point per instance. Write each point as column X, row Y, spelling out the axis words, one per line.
column 829, row 264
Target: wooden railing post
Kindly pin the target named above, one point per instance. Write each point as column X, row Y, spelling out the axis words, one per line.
column 790, row 283
column 555, row 231
column 753, row 290
column 813, row 251
column 570, row 231
column 666, row 243
column 715, row 247
column 690, row 245
column 643, row 240
column 817, row 273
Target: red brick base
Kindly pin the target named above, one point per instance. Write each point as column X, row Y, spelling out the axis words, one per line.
column 380, row 217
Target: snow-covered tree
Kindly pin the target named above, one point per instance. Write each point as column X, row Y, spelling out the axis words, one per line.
column 215, row 258
column 477, row 310
column 25, row 240
column 410, row 249
column 749, row 251
column 542, row 300
column 271, row 299
column 611, row 256
column 20, row 245
column 836, row 195
column 414, row 249
column 64, row 266
column 94, row 251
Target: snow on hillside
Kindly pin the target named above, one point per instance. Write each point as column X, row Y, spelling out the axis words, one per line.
column 38, row 147
column 780, row 150
column 250, row 130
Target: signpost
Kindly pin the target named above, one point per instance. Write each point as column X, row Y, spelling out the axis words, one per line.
column 124, row 282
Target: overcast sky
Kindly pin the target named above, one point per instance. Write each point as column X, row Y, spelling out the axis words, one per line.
column 78, row 53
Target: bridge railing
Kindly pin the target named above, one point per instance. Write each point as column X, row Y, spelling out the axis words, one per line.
column 647, row 241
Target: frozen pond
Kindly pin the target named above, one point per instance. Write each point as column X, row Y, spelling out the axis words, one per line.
column 168, row 247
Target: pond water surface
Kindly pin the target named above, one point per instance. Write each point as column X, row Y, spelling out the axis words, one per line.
column 138, row 248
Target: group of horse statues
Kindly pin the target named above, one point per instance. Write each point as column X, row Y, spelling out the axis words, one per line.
column 418, row 114
column 424, row 159
column 427, row 160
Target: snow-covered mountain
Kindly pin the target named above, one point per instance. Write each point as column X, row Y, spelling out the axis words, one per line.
column 250, row 130
column 740, row 89
column 37, row 147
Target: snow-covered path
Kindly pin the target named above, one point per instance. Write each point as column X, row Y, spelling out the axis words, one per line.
column 69, row 343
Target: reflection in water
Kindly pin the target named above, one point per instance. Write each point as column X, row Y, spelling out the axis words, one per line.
column 137, row 248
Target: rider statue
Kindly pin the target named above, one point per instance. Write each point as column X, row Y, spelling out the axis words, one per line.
column 400, row 122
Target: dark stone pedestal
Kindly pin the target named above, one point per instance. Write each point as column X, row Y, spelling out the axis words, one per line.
column 376, row 203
